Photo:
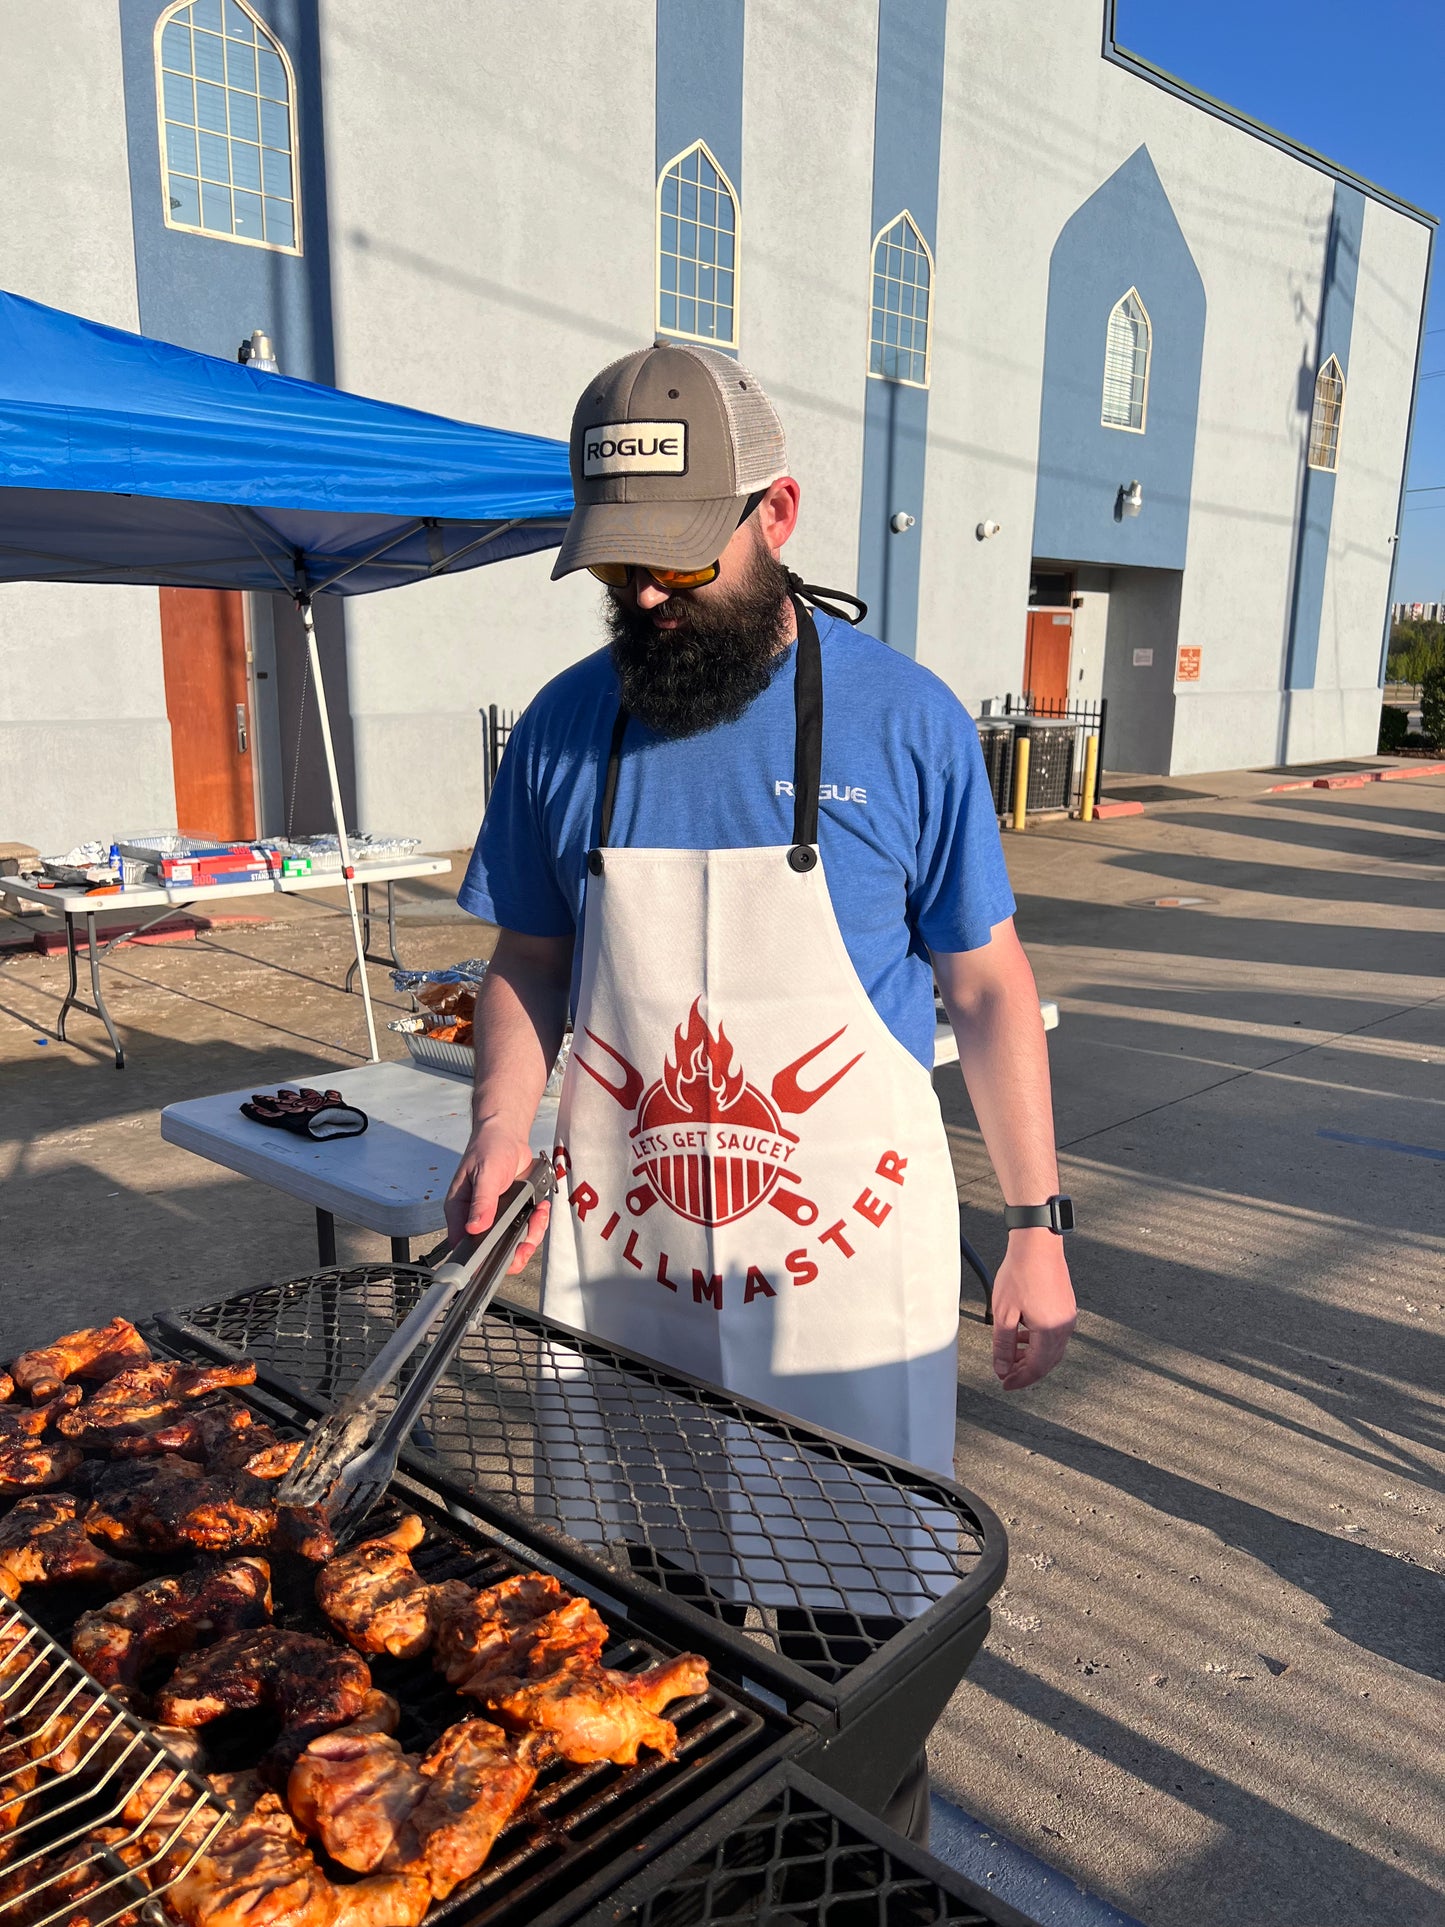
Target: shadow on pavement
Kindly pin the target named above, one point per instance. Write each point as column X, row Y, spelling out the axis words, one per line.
column 1197, row 934
column 1375, row 1601
column 1331, row 1877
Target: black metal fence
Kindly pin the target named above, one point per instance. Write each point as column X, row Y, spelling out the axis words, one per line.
column 1057, row 732
column 497, row 726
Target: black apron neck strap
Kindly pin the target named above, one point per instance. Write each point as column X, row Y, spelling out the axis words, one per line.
column 609, row 786
column 807, row 738
column 807, row 753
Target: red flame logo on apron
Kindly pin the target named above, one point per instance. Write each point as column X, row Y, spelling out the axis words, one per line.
column 710, row 1144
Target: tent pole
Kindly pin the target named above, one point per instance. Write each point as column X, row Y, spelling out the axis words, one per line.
column 303, row 603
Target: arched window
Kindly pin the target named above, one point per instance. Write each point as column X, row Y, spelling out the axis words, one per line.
column 228, row 125
column 898, row 334
column 1126, row 364
column 1325, row 418
column 697, row 250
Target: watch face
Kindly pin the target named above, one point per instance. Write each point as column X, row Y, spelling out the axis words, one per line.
column 1063, row 1213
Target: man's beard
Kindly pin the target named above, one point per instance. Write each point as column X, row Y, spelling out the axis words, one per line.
column 724, row 653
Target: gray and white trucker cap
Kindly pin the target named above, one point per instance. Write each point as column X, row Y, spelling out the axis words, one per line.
column 667, row 445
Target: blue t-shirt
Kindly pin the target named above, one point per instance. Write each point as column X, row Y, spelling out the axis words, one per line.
column 907, row 829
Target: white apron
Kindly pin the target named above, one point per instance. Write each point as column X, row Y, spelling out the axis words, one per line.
column 754, row 1182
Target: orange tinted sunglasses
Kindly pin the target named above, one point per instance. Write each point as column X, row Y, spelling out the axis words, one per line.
column 617, row 575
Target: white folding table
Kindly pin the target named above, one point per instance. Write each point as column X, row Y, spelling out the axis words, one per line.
column 77, row 906
column 392, row 1179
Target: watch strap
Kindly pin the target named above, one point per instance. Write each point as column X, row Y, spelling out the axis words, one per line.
column 1054, row 1214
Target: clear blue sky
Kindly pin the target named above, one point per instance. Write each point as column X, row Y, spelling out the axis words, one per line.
column 1358, row 80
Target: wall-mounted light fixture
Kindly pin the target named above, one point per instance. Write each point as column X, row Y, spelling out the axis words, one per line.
column 901, row 522
column 986, row 529
column 256, row 351
column 1131, row 498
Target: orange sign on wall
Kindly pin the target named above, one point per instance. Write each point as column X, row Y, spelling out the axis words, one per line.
column 1187, row 669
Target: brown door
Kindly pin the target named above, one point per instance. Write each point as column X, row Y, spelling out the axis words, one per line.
column 203, row 647
column 1046, row 654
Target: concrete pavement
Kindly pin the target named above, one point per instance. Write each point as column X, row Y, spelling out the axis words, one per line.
column 1215, row 1676
column 1214, row 1686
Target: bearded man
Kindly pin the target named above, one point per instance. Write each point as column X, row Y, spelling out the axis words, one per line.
column 740, row 845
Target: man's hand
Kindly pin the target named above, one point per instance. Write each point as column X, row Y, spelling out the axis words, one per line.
column 521, row 1008
column 1033, row 1309
column 494, row 1158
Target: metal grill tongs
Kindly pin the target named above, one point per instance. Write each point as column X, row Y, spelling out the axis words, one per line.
column 346, row 1464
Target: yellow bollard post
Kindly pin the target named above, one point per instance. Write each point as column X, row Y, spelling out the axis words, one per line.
column 1021, row 781
column 1091, row 780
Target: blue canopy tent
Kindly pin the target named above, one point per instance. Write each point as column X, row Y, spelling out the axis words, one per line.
column 124, row 459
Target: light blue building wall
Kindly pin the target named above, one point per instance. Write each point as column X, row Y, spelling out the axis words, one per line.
column 477, row 193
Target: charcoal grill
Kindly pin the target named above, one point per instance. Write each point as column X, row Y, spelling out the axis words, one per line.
column 72, row 1758
column 851, row 1586
column 581, row 1825
column 792, row 1852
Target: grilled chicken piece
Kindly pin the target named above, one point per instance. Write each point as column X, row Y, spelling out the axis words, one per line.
column 213, row 1429
column 69, row 1722
column 150, row 1395
column 165, row 1797
column 571, row 1637
column 19, row 1424
column 98, row 1353
column 27, row 1460
column 16, row 1805
column 375, row 1597
column 169, row 1616
column 310, row 1683
column 259, row 1872
column 79, row 1887
column 30, row 1465
column 274, row 1461
column 7, row 1387
column 468, row 1624
column 375, row 1808
column 218, row 1431
column 591, row 1713
column 162, row 1504
column 44, row 1543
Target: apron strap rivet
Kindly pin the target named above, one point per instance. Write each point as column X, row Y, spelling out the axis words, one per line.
column 802, row 857
column 594, row 862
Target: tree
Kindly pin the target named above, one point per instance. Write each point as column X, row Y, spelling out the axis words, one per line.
column 1415, row 648
column 1432, row 704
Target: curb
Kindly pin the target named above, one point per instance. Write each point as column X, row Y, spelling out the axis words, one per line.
column 1106, row 810
column 1042, row 1894
column 1358, row 780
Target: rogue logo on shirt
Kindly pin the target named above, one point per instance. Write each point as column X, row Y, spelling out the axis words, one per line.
column 634, row 448
column 828, row 792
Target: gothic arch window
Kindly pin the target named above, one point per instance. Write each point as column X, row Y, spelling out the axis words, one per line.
column 902, row 304
column 1126, row 364
column 227, row 98
column 1325, row 417
column 697, row 250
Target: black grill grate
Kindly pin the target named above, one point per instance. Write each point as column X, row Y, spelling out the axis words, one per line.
column 791, row 1852
column 821, row 1556
column 563, row 1846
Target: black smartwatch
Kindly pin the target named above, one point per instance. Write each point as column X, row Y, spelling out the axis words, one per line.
column 1055, row 1214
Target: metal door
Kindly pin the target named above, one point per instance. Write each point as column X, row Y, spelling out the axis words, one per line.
column 1046, row 654
column 203, row 648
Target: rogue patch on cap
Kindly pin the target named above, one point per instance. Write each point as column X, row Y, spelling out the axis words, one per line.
column 634, row 448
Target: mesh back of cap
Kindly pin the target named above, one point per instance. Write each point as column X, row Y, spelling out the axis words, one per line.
column 760, row 451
